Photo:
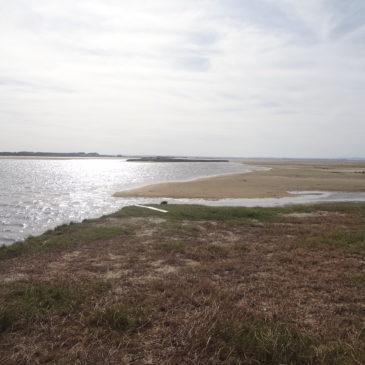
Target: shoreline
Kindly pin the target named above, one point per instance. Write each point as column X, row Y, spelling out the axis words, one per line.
column 275, row 182
column 58, row 158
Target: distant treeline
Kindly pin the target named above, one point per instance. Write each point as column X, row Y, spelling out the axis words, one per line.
column 55, row 154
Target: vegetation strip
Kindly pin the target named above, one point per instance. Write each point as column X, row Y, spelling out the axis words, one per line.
column 199, row 285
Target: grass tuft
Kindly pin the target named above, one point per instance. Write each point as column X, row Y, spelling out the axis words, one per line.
column 120, row 318
column 217, row 251
column 173, row 246
column 266, row 343
column 23, row 303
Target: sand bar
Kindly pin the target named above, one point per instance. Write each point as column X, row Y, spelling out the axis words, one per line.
column 284, row 176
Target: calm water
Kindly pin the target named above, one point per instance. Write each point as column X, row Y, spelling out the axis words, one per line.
column 37, row 195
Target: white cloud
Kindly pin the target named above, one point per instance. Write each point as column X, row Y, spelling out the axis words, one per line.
column 183, row 77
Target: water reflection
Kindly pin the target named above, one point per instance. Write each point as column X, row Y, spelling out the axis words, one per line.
column 37, row 195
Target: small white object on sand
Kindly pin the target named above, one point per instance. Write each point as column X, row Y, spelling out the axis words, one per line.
column 152, row 208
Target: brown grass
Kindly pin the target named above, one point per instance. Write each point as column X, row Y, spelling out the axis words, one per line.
column 190, row 291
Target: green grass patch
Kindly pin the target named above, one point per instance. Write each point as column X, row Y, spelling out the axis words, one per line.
column 349, row 208
column 74, row 233
column 200, row 212
column 216, row 250
column 98, row 233
column 356, row 279
column 173, row 246
column 234, row 214
column 276, row 343
column 22, row 303
column 225, row 214
column 120, row 318
column 177, row 228
column 350, row 242
column 61, row 237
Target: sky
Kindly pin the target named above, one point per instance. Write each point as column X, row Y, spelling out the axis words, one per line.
column 265, row 78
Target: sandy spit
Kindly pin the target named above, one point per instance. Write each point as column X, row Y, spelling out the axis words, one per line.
column 275, row 183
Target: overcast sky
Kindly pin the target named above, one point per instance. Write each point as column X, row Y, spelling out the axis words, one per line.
column 184, row 77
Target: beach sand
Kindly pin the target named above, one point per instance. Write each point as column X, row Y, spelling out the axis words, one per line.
column 284, row 176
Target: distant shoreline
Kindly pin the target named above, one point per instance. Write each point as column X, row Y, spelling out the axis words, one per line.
column 55, row 154
column 58, row 158
column 163, row 159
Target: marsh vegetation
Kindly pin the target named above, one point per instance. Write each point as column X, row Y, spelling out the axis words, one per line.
column 197, row 285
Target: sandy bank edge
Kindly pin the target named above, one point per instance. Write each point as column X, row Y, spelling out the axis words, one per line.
column 274, row 183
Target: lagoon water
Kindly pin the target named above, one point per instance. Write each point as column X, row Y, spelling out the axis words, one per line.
column 39, row 194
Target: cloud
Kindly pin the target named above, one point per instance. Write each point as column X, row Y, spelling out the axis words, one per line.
column 237, row 77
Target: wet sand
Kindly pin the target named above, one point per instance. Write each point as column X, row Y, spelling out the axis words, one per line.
column 283, row 177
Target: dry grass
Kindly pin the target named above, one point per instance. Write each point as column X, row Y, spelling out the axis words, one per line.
column 189, row 287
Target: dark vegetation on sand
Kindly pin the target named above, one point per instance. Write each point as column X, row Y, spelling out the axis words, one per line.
column 197, row 285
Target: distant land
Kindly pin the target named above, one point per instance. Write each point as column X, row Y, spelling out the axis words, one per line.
column 171, row 159
column 98, row 155
column 54, row 154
